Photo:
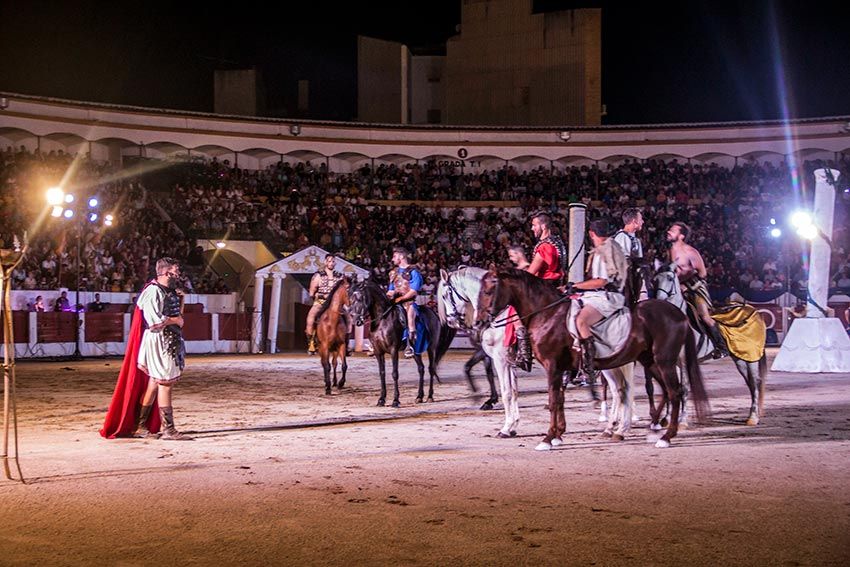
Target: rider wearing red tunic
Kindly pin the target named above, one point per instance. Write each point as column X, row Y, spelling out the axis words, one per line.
column 548, row 263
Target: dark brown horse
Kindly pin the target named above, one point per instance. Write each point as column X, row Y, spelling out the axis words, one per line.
column 659, row 332
column 332, row 332
column 388, row 323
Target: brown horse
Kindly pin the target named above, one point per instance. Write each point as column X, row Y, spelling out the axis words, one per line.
column 332, row 332
column 659, row 332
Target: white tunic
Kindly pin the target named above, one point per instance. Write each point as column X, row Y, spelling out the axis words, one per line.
column 154, row 359
column 604, row 302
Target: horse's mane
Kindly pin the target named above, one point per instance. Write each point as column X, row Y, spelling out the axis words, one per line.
column 327, row 303
column 534, row 285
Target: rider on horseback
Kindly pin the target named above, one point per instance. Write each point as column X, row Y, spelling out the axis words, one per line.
column 626, row 237
column 548, row 262
column 691, row 271
column 602, row 294
column 320, row 288
column 405, row 283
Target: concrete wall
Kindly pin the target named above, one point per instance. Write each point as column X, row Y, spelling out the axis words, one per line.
column 237, row 92
column 382, row 83
column 427, row 88
column 511, row 67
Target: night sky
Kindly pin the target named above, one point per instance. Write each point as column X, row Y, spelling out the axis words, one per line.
column 662, row 61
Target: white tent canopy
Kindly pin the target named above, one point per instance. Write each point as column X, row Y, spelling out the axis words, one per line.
column 308, row 260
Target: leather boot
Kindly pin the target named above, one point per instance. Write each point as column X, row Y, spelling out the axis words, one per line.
column 720, row 347
column 523, row 349
column 588, row 354
column 409, row 352
column 311, row 344
column 142, row 430
column 169, row 432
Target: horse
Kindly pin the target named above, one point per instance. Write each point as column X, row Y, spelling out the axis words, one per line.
column 754, row 372
column 332, row 332
column 388, row 323
column 457, row 293
column 659, row 332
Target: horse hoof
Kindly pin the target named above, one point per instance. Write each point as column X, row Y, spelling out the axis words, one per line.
column 662, row 444
column 602, row 418
column 396, row 404
column 557, row 442
column 487, row 406
column 502, row 435
column 655, row 427
column 753, row 420
column 419, row 400
column 381, row 403
column 664, row 422
column 607, row 433
column 431, row 399
column 683, row 424
column 543, row 446
column 327, row 391
column 617, row 437
column 341, row 385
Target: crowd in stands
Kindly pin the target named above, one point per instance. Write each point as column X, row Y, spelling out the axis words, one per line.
column 294, row 205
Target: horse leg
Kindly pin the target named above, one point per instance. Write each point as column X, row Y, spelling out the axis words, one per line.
column 562, row 420
column 491, row 379
column 432, row 372
column 745, row 369
column 343, row 355
column 555, row 385
column 326, row 367
column 395, row 377
column 476, row 357
column 626, row 398
column 603, row 405
column 334, row 362
column 420, row 367
column 673, row 388
column 382, row 370
column 611, row 417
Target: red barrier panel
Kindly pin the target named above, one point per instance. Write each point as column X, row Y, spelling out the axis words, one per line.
column 20, row 327
column 56, row 327
column 197, row 326
column 234, row 326
column 104, row 327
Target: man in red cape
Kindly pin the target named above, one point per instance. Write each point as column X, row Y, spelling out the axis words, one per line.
column 122, row 419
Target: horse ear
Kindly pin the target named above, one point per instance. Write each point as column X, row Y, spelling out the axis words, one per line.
column 444, row 275
column 491, row 269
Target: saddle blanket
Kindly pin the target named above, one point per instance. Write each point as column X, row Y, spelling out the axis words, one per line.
column 610, row 333
column 423, row 337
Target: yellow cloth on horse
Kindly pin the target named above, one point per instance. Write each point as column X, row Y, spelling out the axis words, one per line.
column 744, row 330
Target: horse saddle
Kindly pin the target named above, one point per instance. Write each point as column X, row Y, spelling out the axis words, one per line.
column 609, row 334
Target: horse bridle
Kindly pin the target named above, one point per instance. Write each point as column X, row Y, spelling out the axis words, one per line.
column 669, row 293
column 452, row 293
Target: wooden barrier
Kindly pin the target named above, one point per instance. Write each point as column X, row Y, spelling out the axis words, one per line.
column 20, row 327
column 104, row 327
column 234, row 327
column 197, row 326
column 56, row 327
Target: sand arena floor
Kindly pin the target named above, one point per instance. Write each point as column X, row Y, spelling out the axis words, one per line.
column 281, row 474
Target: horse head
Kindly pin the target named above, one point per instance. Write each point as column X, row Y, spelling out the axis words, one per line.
column 457, row 293
column 665, row 282
column 359, row 302
column 488, row 300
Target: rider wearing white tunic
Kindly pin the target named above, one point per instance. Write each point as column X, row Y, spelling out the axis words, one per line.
column 602, row 293
column 161, row 347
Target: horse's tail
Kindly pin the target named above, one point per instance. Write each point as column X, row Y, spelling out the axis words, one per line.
column 762, row 381
column 447, row 335
column 698, row 393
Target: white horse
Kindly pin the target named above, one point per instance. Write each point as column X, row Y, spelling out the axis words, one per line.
column 457, row 295
column 754, row 373
column 457, row 300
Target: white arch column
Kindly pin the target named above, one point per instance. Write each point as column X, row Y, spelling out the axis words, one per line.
column 274, row 315
column 257, row 319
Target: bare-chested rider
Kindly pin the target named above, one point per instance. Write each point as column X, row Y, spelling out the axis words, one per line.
column 691, row 271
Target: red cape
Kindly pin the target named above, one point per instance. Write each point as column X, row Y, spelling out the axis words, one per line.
column 132, row 382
